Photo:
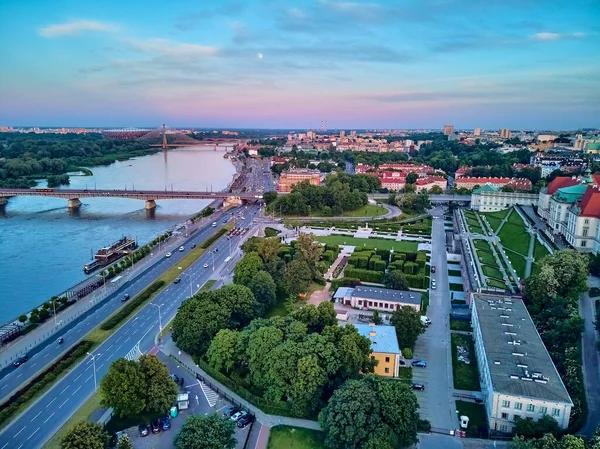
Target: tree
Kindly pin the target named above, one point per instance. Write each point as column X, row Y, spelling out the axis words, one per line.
column 310, row 251
column 436, row 190
column 124, row 388
column 297, row 275
column 22, row 318
column 206, row 432
column 161, row 391
column 224, row 353
column 86, row 435
column 411, row 178
column 370, row 413
column 507, row 188
column 316, row 318
column 536, row 429
column 264, row 289
column 124, row 442
column 376, row 319
column 268, row 248
column 239, row 301
column 246, row 268
column 572, row 442
column 269, row 196
column 570, row 268
column 396, row 280
column 407, row 322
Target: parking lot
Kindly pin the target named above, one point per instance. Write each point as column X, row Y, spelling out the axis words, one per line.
column 201, row 398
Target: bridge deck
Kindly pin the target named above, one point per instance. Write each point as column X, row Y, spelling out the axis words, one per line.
column 133, row 194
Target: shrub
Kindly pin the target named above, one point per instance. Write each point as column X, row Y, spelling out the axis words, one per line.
column 270, row 232
column 209, row 241
column 407, row 353
column 364, row 275
column 411, row 268
column 131, row 306
column 372, row 261
column 416, row 281
column 379, row 265
column 344, row 282
column 22, row 318
column 399, row 256
column 328, row 256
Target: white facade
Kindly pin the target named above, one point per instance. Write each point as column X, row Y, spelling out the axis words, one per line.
column 581, row 232
column 557, row 216
column 543, row 205
column 495, row 201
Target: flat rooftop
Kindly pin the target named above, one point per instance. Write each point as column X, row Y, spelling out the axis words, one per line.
column 387, row 294
column 518, row 361
column 384, row 340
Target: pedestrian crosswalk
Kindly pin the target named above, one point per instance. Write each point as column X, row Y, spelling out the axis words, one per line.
column 135, row 353
column 211, row 396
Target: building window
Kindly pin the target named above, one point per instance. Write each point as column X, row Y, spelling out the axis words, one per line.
column 504, row 415
column 584, row 243
column 530, row 408
column 518, row 406
column 516, row 416
column 387, row 360
column 586, row 221
column 387, row 370
column 555, row 412
column 543, row 410
column 502, row 428
column 505, row 403
column 585, row 232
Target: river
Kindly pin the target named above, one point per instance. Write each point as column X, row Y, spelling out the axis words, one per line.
column 43, row 247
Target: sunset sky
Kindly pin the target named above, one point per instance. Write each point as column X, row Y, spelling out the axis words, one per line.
column 290, row 64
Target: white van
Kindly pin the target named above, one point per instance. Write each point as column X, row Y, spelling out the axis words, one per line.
column 214, row 225
column 425, row 321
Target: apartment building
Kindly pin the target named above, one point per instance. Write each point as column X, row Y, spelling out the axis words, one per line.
column 470, row 182
column 288, row 178
column 427, row 182
column 490, row 198
column 518, row 377
column 582, row 226
column 375, row 298
column 384, row 347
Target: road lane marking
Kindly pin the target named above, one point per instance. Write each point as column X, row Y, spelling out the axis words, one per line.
column 50, row 402
column 33, row 419
column 78, row 377
column 78, row 388
column 63, row 403
column 65, row 389
column 22, row 429
column 34, row 432
column 89, row 377
column 48, row 418
column 46, row 355
column 19, row 375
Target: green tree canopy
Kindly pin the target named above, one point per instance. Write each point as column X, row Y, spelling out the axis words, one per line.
column 124, row 442
column 264, row 289
column 268, row 248
column 316, row 318
column 206, row 432
column 86, row 435
column 224, row 351
column 407, row 322
column 161, row 391
column 246, row 268
column 123, row 388
column 297, row 276
column 396, row 280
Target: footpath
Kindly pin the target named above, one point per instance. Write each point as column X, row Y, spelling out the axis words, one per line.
column 10, row 351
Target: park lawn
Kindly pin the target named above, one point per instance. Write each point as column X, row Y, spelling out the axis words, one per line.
column 287, row 437
column 481, row 244
column 368, row 210
column 494, row 222
column 518, row 262
column 495, row 283
column 515, row 238
column 492, row 271
column 539, row 251
column 486, row 257
column 477, row 417
column 516, row 219
column 466, row 377
column 401, row 246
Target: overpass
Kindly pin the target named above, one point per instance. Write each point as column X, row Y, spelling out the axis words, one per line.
column 435, row 198
column 150, row 196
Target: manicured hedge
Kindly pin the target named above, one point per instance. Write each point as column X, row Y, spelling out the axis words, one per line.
column 416, row 281
column 328, row 256
column 271, row 232
column 29, row 392
column 344, row 282
column 131, row 306
column 411, row 268
column 209, row 241
column 364, row 275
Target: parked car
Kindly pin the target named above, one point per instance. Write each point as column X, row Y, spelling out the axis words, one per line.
column 205, row 265
column 433, row 268
column 245, row 421
column 156, row 426
column 418, row 387
column 165, row 423
column 125, row 297
column 230, row 411
column 175, row 378
column 177, row 281
column 181, row 248
column 419, row 364
column 193, row 246
column 168, row 255
column 239, row 415
column 20, row 360
column 143, row 428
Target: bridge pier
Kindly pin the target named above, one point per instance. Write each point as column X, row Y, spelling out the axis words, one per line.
column 3, row 201
column 150, row 204
column 74, row 203
column 232, row 201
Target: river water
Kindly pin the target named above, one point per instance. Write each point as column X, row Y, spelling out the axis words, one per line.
column 43, row 247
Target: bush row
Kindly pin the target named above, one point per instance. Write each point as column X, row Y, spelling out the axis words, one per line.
column 364, row 275
column 11, row 406
column 209, row 241
column 131, row 306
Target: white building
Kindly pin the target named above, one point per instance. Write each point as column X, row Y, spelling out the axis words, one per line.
column 376, row 298
column 518, row 377
column 490, row 198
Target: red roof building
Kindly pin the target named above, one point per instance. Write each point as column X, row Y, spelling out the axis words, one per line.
column 559, row 182
column 426, row 183
column 589, row 203
column 470, row 182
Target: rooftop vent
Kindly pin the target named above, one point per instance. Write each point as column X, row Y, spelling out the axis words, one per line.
column 518, row 354
column 527, row 379
column 496, row 362
column 512, row 376
column 540, row 381
column 504, row 316
column 520, row 365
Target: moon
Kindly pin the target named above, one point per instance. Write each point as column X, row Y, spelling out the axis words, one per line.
column 260, row 55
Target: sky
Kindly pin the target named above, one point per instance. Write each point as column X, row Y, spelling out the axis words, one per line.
column 519, row 64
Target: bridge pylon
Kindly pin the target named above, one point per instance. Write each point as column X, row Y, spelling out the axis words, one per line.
column 164, row 138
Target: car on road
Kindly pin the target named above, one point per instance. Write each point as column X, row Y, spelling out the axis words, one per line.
column 418, row 387
column 239, row 415
column 125, row 297
column 433, row 268
column 205, row 265
column 168, row 255
column 214, row 225
column 175, row 378
column 20, row 360
column 230, row 411
column 245, row 421
column 181, row 248
column 165, row 423
column 177, row 281
column 193, row 246
column 143, row 428
column 156, row 426
column 419, row 364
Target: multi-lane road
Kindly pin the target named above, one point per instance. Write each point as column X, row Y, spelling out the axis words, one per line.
column 38, row 423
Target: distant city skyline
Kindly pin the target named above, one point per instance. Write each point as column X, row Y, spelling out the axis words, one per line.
column 263, row 64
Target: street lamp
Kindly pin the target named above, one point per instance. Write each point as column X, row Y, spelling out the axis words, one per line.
column 54, row 308
column 93, row 356
column 159, row 316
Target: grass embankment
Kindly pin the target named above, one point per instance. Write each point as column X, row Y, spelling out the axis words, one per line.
column 369, row 210
column 368, row 243
column 208, row 285
column 477, row 418
column 83, row 413
column 287, row 437
column 466, row 376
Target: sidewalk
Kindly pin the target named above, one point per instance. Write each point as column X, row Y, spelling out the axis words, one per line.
column 169, row 348
column 25, row 343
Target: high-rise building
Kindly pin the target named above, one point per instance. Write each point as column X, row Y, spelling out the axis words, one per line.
column 505, row 133
column 448, row 130
column 342, row 133
column 352, row 134
column 477, row 132
column 311, row 135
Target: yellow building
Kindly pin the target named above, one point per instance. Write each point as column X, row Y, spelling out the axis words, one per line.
column 384, row 345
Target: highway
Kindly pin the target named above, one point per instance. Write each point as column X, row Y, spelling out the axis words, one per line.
column 45, row 417
column 12, row 378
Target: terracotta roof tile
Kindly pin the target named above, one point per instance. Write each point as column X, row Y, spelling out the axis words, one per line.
column 560, row 182
column 590, row 203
